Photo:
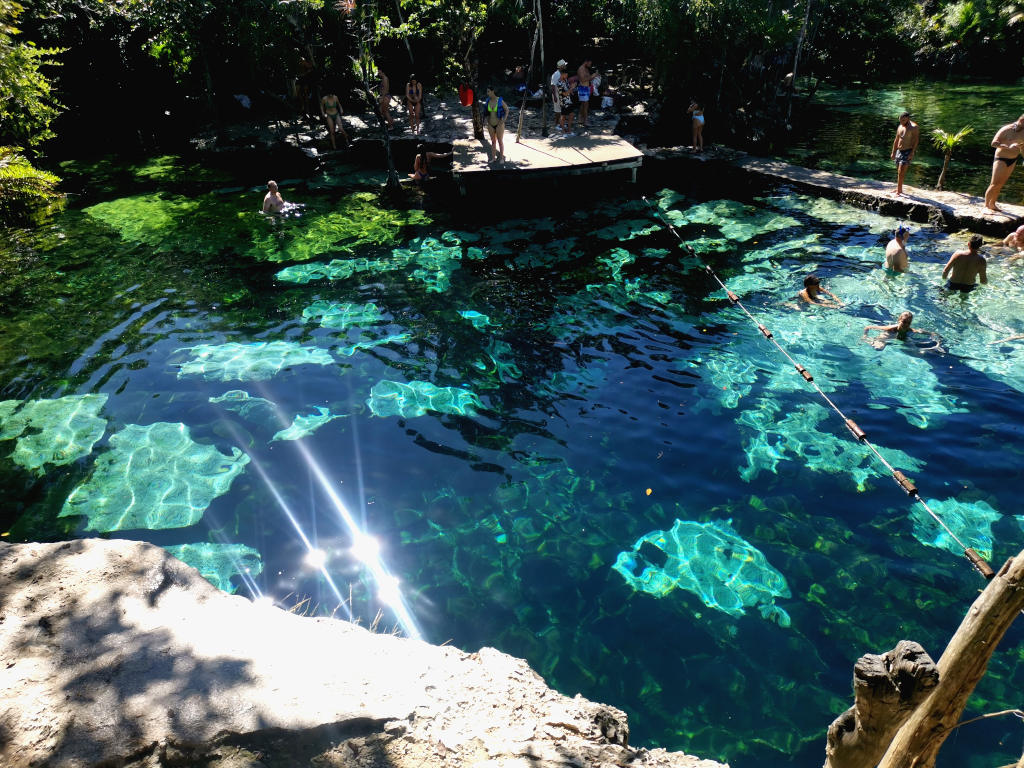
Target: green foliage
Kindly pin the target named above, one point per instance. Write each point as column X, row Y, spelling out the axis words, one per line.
column 25, row 191
column 27, row 105
column 946, row 142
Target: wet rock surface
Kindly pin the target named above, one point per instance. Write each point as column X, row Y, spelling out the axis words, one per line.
column 115, row 653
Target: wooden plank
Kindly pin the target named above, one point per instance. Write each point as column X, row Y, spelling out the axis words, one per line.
column 571, row 154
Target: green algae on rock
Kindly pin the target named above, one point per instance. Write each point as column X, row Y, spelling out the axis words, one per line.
column 392, row 398
column 256, row 361
column 217, row 563
column 258, row 410
column 710, row 560
column 305, row 424
column 153, row 477
column 53, row 432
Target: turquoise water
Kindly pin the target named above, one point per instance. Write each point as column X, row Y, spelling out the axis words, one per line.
column 851, row 131
column 551, row 435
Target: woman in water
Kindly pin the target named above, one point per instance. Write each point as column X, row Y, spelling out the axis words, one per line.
column 330, row 108
column 697, row 113
column 414, row 101
column 421, row 165
column 496, row 114
column 898, row 331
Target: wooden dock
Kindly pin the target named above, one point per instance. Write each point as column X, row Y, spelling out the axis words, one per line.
column 538, row 158
column 948, row 210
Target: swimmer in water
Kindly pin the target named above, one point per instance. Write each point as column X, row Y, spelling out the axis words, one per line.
column 813, row 291
column 1015, row 337
column 898, row 331
column 273, row 202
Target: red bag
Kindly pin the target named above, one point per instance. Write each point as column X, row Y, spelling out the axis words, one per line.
column 465, row 95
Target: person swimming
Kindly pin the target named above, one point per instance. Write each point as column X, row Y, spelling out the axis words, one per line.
column 813, row 290
column 898, row 331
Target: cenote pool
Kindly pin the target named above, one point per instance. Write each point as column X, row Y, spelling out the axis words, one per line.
column 541, row 430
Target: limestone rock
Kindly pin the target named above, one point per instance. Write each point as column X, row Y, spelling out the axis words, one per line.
column 114, row 652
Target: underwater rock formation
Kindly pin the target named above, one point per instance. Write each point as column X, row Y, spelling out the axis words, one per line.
column 53, row 432
column 217, row 563
column 713, row 562
column 392, row 398
column 153, row 477
column 120, row 654
column 257, row 361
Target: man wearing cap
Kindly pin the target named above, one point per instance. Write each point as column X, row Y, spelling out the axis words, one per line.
column 555, row 78
column 896, row 250
column 903, row 148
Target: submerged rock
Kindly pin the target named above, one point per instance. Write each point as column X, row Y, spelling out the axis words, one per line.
column 114, row 652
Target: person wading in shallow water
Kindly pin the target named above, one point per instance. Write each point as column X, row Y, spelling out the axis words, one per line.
column 964, row 267
column 896, row 251
column 1008, row 142
column 273, row 202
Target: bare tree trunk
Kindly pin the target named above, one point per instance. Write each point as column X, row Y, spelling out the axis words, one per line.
column 543, row 74
column 962, row 665
column 887, row 688
column 796, row 58
column 393, row 184
column 529, row 73
column 398, row 10
column 942, row 176
column 478, row 124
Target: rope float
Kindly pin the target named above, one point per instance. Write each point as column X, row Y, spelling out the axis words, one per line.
column 976, row 560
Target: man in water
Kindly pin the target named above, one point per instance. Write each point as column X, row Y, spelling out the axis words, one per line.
column 903, row 148
column 1015, row 239
column 896, row 250
column 897, row 331
column 813, row 291
column 1008, row 142
column 964, row 267
column 273, row 202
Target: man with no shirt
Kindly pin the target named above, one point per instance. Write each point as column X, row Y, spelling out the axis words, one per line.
column 1008, row 142
column 583, row 91
column 273, row 202
column 896, row 251
column 964, row 267
column 903, row 148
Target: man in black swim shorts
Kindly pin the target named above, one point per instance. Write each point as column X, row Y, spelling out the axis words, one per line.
column 1008, row 142
column 964, row 267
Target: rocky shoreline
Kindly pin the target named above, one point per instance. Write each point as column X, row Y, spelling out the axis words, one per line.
column 114, row 653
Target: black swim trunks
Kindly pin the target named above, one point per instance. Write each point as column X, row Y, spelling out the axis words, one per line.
column 903, row 156
column 1010, row 161
column 962, row 287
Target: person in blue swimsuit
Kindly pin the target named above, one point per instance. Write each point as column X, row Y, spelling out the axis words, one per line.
column 583, row 92
column 697, row 113
column 421, row 165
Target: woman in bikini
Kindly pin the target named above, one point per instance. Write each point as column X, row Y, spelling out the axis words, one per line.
column 496, row 114
column 698, row 125
column 330, row 108
column 414, row 101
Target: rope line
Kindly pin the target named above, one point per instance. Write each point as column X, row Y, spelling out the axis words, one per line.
column 976, row 560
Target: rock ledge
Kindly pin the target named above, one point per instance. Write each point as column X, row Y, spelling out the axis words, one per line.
column 114, row 653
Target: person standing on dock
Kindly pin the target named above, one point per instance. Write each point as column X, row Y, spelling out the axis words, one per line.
column 556, row 96
column 414, row 103
column 896, row 251
column 583, row 92
column 964, row 267
column 496, row 114
column 1008, row 142
column 696, row 112
column 384, row 100
column 903, row 148
column 330, row 108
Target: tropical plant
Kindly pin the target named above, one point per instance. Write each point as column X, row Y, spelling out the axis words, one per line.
column 25, row 191
column 27, row 106
column 946, row 142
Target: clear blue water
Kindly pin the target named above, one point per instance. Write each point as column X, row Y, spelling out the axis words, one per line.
column 850, row 131
column 506, row 401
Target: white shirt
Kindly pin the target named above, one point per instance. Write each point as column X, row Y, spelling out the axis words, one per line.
column 556, row 77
